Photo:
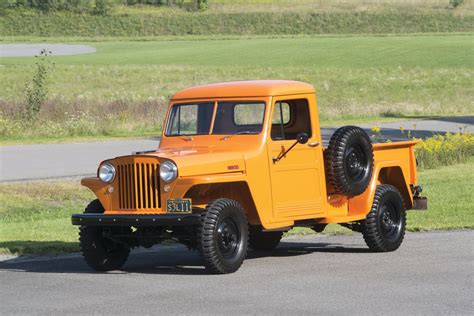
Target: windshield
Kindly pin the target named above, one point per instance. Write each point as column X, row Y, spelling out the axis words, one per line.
column 232, row 117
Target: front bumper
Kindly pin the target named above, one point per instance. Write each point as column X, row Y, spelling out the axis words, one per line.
column 135, row 220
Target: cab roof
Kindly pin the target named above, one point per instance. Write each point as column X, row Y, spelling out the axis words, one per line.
column 251, row 88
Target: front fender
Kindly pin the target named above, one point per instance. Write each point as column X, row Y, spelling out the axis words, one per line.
column 100, row 189
column 184, row 184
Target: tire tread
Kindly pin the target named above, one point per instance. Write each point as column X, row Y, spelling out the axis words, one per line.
column 205, row 236
column 372, row 236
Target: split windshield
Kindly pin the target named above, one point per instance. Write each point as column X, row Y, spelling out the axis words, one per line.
column 231, row 118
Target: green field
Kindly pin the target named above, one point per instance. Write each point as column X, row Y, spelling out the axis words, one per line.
column 122, row 90
column 35, row 216
column 450, row 51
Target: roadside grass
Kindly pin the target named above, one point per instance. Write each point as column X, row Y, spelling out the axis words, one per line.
column 35, row 216
column 123, row 89
column 450, row 198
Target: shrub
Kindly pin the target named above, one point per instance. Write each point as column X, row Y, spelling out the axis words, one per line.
column 102, row 7
column 36, row 90
column 444, row 150
column 202, row 5
column 455, row 3
column 77, row 6
column 149, row 2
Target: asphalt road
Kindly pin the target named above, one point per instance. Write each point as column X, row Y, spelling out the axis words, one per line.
column 24, row 162
column 42, row 161
column 431, row 274
column 22, row 50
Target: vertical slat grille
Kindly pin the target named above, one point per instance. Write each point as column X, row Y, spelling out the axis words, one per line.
column 138, row 186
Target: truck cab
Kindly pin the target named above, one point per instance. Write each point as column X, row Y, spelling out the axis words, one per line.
column 238, row 164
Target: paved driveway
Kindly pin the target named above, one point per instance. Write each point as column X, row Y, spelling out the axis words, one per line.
column 431, row 274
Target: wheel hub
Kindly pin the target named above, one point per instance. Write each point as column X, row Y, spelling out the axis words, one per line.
column 228, row 237
column 356, row 162
column 390, row 221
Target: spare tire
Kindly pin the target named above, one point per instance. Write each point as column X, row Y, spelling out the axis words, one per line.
column 349, row 160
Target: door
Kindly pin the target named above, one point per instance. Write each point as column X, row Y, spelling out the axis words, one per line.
column 295, row 178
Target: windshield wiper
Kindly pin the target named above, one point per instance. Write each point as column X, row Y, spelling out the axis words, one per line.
column 186, row 137
column 239, row 133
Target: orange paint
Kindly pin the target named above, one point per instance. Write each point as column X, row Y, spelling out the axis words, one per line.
column 242, row 167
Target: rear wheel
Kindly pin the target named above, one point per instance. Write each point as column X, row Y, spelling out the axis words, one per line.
column 384, row 227
column 260, row 240
column 102, row 253
column 223, row 236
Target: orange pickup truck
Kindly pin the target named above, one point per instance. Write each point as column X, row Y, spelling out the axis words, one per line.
column 240, row 163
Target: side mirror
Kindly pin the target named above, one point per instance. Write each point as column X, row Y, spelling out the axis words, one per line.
column 302, row 137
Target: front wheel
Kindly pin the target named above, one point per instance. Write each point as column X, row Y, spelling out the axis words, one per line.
column 223, row 236
column 100, row 252
column 384, row 227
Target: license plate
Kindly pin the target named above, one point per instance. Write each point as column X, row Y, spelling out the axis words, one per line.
column 179, row 206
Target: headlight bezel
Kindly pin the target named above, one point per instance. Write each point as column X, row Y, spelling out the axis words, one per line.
column 105, row 177
column 168, row 171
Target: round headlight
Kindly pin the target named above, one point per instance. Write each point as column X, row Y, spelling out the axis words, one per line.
column 107, row 172
column 168, row 171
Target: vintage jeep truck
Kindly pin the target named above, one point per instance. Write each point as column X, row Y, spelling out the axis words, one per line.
column 238, row 164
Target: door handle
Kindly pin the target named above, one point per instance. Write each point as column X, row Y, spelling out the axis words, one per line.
column 314, row 144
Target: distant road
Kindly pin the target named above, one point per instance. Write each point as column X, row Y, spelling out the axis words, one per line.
column 431, row 274
column 23, row 50
column 42, row 161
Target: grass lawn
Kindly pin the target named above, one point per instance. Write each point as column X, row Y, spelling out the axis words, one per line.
column 35, row 216
column 344, row 52
column 123, row 88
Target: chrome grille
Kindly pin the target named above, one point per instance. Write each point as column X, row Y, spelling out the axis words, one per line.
column 139, row 186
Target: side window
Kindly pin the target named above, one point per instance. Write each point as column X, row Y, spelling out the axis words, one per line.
column 290, row 117
column 281, row 107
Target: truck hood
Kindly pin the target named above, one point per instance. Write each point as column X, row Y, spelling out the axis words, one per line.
column 195, row 161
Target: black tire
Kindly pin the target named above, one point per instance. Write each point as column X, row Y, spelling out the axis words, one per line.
column 223, row 236
column 349, row 160
column 384, row 227
column 100, row 253
column 264, row 241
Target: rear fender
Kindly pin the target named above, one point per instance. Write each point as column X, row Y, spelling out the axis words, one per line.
column 386, row 172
